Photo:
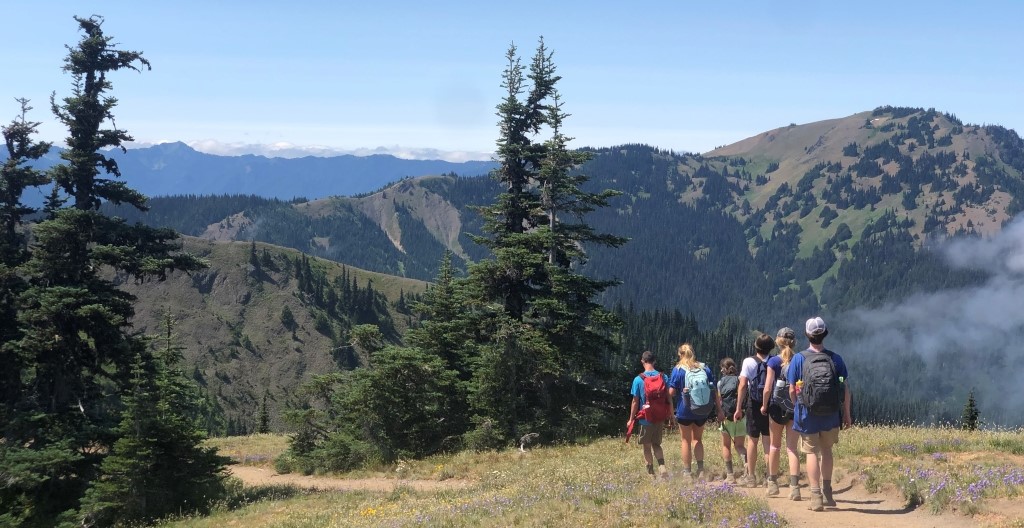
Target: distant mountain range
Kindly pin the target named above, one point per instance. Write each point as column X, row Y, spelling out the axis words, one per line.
column 176, row 168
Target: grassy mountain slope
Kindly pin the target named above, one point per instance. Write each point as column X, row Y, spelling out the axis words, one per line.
column 228, row 320
column 797, row 149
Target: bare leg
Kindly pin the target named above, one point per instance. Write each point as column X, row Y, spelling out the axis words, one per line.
column 751, row 456
column 698, row 446
column 776, row 431
column 792, row 446
column 685, row 438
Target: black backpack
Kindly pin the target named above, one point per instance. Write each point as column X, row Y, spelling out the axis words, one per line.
column 821, row 392
column 729, row 387
column 756, row 385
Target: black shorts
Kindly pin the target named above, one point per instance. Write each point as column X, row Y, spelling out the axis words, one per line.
column 757, row 423
column 698, row 423
column 780, row 415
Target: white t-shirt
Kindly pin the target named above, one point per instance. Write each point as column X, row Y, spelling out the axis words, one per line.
column 749, row 369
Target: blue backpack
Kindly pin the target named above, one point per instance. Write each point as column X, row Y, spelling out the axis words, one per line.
column 698, row 394
column 756, row 385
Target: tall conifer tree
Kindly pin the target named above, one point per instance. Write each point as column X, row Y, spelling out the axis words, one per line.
column 75, row 339
column 533, row 311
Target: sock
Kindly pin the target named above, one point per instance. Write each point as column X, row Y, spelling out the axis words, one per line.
column 700, row 466
column 728, row 466
column 650, row 469
column 826, row 486
column 773, row 478
column 743, row 456
column 794, row 481
column 661, row 461
column 688, row 469
column 815, row 491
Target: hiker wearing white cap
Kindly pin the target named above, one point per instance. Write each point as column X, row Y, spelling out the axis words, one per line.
column 820, row 391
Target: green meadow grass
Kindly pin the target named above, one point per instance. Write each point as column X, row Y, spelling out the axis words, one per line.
column 604, row 484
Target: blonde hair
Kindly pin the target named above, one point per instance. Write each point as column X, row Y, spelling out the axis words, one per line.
column 786, row 352
column 687, row 357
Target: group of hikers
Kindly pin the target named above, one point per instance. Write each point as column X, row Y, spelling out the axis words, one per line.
column 804, row 395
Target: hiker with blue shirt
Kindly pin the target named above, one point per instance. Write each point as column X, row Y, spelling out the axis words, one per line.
column 777, row 404
column 696, row 399
column 651, row 406
column 820, row 389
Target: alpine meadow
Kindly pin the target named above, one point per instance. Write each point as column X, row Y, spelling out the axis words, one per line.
column 455, row 347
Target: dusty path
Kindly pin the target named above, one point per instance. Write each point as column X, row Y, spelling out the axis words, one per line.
column 256, row 476
column 856, row 508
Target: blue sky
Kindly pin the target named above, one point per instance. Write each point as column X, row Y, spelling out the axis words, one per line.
column 408, row 77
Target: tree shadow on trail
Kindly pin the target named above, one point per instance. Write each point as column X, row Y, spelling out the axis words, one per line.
column 902, row 511
column 873, row 501
column 844, row 490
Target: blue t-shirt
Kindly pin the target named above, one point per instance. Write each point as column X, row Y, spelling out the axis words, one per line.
column 804, row 421
column 637, row 390
column 678, row 382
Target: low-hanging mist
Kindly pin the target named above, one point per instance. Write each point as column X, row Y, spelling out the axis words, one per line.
column 923, row 355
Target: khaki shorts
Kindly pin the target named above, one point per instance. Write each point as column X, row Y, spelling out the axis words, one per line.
column 734, row 429
column 651, row 434
column 814, row 443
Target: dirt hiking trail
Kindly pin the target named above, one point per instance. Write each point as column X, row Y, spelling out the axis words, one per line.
column 257, row 476
column 855, row 507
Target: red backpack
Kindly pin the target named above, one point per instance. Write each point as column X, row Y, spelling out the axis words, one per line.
column 656, row 409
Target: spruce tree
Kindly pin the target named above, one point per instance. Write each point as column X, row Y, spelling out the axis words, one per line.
column 157, row 466
column 969, row 417
column 537, row 330
column 15, row 176
column 73, row 322
column 264, row 423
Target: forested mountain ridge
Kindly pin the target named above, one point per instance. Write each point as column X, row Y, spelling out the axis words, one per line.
column 261, row 320
column 783, row 223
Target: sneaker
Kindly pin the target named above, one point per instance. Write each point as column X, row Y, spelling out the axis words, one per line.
column 773, row 488
column 817, row 502
column 794, row 494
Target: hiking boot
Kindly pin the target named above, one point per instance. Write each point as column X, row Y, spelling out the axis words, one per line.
column 730, row 478
column 773, row 488
column 699, row 476
column 748, row 481
column 794, row 493
column 827, row 499
column 817, row 502
column 662, row 472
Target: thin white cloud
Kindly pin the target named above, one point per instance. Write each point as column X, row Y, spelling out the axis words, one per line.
column 289, row 150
